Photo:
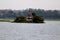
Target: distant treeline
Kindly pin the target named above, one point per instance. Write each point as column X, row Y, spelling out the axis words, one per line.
column 48, row 14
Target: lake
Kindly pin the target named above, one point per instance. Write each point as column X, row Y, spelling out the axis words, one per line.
column 50, row 30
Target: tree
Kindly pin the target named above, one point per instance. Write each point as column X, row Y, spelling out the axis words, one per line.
column 37, row 19
column 20, row 19
column 33, row 14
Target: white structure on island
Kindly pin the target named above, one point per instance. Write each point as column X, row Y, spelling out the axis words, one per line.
column 29, row 17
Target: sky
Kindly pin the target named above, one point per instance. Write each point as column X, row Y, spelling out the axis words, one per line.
column 35, row 4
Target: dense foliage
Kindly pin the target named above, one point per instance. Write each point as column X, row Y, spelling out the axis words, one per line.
column 47, row 14
column 20, row 19
column 35, row 19
column 38, row 19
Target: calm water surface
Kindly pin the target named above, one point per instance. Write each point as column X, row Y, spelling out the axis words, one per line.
column 50, row 30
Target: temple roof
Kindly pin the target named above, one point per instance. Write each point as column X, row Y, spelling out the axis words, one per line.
column 30, row 14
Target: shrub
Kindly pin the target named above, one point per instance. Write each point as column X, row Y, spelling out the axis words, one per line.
column 38, row 19
column 20, row 19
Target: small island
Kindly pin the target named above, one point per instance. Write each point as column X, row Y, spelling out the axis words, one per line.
column 30, row 18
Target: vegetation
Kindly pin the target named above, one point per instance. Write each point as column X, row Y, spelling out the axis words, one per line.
column 51, row 14
column 38, row 19
column 20, row 19
column 35, row 19
column 6, row 20
column 10, row 15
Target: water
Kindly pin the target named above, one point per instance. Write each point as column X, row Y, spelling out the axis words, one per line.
column 50, row 30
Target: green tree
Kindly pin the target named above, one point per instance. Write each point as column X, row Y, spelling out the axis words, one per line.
column 37, row 19
column 20, row 19
column 33, row 14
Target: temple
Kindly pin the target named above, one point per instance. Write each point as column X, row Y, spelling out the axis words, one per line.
column 29, row 17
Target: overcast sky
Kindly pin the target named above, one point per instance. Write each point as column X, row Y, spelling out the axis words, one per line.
column 23, row 4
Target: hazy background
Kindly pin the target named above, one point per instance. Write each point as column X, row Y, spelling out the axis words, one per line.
column 23, row 4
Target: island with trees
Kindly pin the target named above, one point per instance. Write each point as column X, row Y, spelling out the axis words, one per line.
column 30, row 18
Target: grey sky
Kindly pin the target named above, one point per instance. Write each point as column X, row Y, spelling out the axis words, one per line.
column 23, row 4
